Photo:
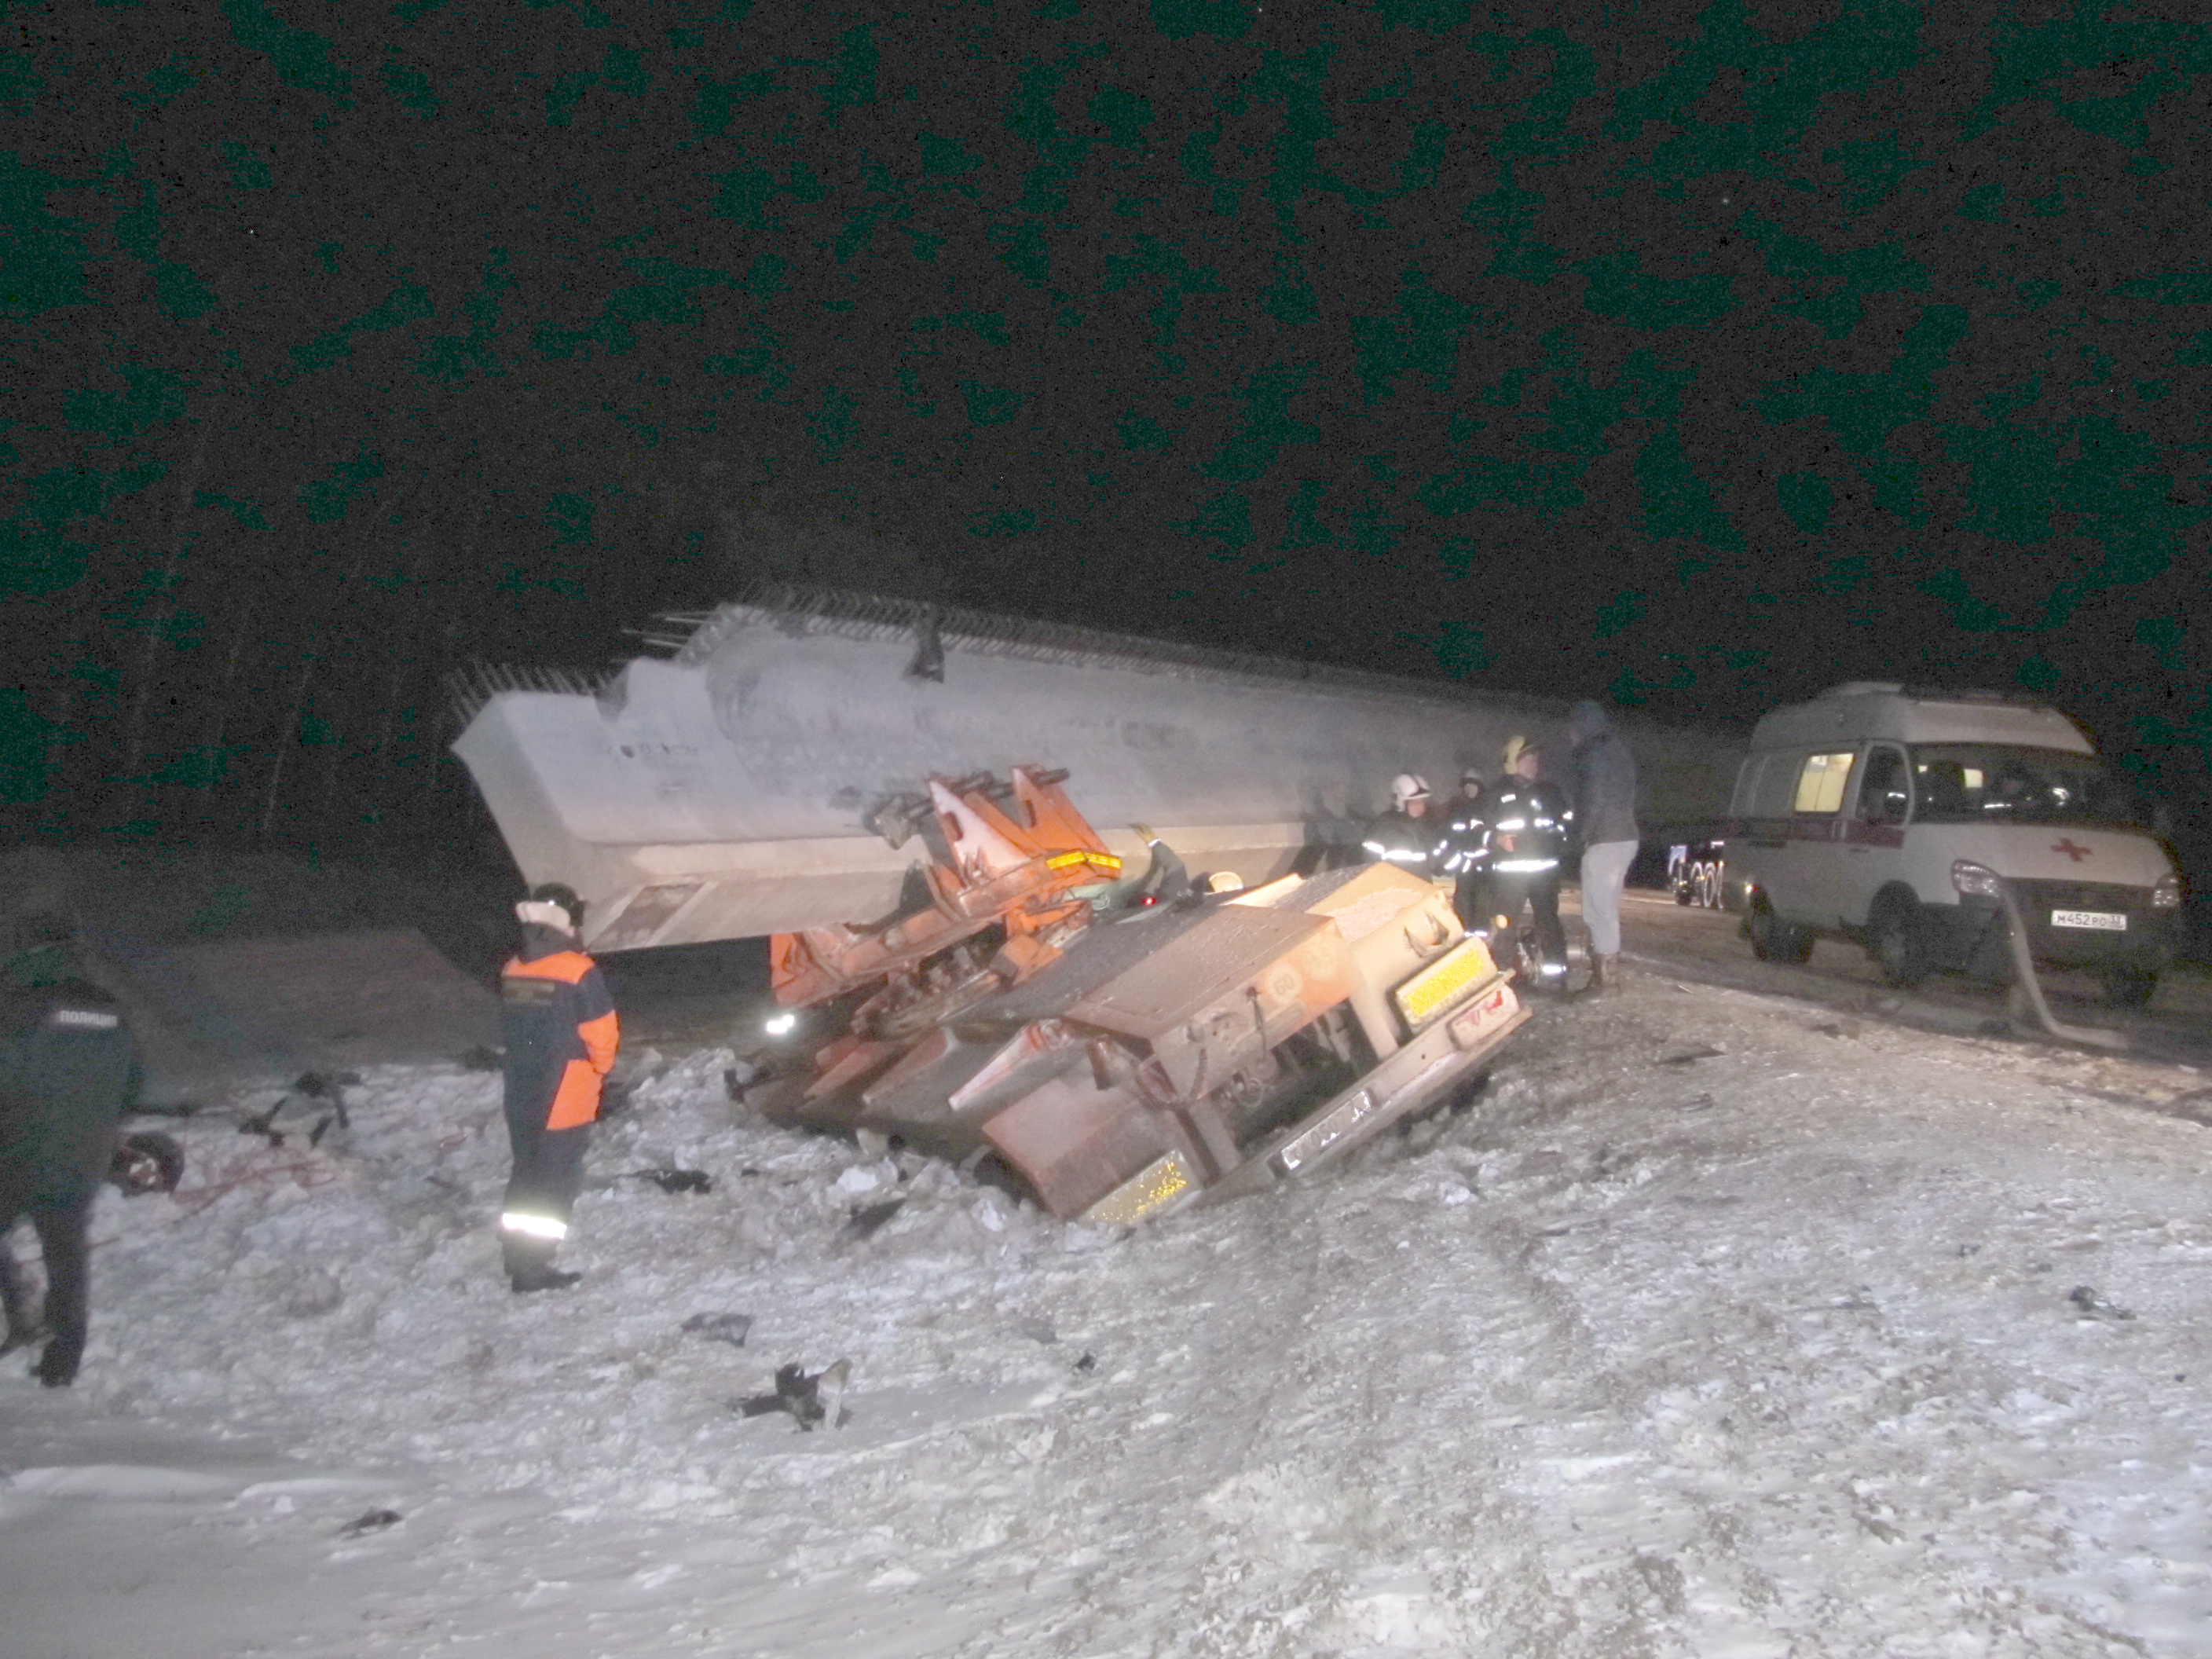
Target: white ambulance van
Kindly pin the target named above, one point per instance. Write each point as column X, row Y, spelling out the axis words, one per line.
column 1889, row 818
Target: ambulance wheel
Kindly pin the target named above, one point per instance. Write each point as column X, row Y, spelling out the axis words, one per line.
column 1898, row 940
column 2130, row 987
column 1773, row 940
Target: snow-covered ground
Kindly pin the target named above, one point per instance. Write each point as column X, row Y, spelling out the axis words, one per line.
column 1719, row 1326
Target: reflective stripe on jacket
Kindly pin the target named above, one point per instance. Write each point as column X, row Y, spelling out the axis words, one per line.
column 562, row 1035
column 1466, row 843
column 1529, row 823
column 1403, row 840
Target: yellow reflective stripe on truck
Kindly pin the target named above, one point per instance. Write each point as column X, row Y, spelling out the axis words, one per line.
column 1101, row 861
column 1443, row 983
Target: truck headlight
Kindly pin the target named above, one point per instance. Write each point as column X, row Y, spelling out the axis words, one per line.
column 1975, row 879
column 2165, row 892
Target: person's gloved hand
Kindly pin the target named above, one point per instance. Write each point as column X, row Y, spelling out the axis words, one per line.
column 1144, row 833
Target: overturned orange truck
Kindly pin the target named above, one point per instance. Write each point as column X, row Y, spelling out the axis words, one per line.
column 1122, row 1057
column 860, row 779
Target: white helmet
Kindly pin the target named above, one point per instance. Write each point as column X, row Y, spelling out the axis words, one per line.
column 1408, row 786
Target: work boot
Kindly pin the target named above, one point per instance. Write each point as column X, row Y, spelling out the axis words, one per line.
column 529, row 1263
column 1605, row 973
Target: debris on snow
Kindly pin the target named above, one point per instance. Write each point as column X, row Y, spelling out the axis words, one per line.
column 676, row 1180
column 146, row 1161
column 812, row 1400
column 2094, row 1306
column 867, row 1218
column 729, row 1328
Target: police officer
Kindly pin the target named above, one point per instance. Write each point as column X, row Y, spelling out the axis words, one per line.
column 561, row 1036
column 1406, row 835
column 68, row 1070
column 1465, row 849
column 1530, row 823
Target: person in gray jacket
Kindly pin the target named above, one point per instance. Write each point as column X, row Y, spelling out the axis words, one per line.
column 1601, row 776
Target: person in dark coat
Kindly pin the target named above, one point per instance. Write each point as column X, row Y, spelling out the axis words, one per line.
column 1466, row 849
column 68, row 1070
column 561, row 1036
column 1601, row 776
column 1530, row 822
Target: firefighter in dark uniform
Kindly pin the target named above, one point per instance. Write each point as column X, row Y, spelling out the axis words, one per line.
column 1466, row 849
column 1530, row 825
column 562, row 1035
column 1406, row 835
column 68, row 1070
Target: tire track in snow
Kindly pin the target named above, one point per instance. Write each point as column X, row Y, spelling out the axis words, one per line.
column 1745, row 1415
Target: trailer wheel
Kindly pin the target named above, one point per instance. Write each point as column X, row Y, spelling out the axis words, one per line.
column 1773, row 940
column 1898, row 940
column 2130, row 987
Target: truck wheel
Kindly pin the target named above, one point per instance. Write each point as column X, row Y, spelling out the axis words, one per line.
column 1773, row 940
column 2130, row 987
column 1897, row 941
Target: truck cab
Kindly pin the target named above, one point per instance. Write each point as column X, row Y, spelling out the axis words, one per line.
column 1898, row 820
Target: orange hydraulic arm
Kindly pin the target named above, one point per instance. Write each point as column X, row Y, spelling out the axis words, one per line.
column 1016, row 866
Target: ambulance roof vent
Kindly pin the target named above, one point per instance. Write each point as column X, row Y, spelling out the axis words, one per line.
column 1944, row 694
column 1862, row 689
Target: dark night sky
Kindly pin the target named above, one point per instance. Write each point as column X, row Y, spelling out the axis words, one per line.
column 1697, row 355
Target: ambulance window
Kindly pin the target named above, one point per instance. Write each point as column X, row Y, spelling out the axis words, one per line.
column 2005, row 783
column 1773, row 786
column 1820, row 782
column 1746, row 785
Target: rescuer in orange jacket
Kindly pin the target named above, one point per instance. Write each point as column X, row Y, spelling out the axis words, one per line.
column 561, row 1036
